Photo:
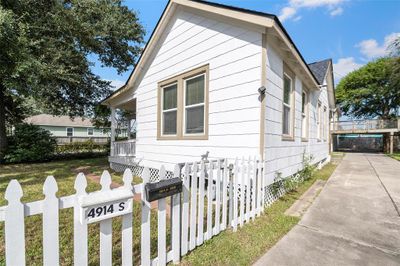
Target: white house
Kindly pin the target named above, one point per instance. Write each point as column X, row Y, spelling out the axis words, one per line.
column 227, row 81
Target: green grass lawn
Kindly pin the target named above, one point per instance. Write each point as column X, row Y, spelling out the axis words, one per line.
column 252, row 240
column 395, row 155
column 32, row 177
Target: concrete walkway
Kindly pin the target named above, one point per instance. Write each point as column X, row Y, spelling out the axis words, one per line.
column 354, row 221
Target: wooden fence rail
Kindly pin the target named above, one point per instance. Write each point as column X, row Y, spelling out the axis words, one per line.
column 215, row 197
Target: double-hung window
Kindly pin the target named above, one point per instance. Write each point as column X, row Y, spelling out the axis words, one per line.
column 70, row 132
column 169, row 109
column 304, row 115
column 194, row 105
column 319, row 124
column 287, row 125
column 324, row 122
column 183, row 106
column 90, row 131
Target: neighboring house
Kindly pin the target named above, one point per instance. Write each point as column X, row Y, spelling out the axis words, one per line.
column 66, row 130
column 229, row 81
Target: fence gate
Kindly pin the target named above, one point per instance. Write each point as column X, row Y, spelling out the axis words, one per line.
column 214, row 197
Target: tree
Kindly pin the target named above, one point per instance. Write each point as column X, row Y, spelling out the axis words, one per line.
column 370, row 91
column 44, row 51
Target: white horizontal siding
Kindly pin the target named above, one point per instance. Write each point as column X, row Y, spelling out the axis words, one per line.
column 234, row 58
column 282, row 156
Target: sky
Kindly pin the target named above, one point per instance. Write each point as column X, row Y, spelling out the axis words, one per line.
column 350, row 32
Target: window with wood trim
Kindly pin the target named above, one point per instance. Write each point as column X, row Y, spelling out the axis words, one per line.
column 304, row 115
column 194, row 104
column 287, row 121
column 169, row 110
column 90, row 131
column 319, row 124
column 70, row 132
column 324, row 122
column 183, row 106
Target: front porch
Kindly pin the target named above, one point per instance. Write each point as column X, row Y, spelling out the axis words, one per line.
column 123, row 148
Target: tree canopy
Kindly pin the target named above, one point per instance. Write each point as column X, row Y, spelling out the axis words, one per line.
column 370, row 91
column 44, row 51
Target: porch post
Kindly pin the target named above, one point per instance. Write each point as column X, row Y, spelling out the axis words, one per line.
column 113, row 124
column 129, row 128
column 391, row 142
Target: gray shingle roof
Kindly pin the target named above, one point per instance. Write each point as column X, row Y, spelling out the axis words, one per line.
column 319, row 69
column 49, row 120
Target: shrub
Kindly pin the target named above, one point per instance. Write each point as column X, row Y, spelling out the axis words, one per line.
column 30, row 143
column 88, row 146
column 308, row 168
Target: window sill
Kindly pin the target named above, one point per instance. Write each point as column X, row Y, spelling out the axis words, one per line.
column 287, row 138
column 187, row 137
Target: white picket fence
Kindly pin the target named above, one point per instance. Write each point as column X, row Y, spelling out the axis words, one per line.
column 235, row 198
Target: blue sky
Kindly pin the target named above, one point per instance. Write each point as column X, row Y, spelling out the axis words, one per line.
column 350, row 32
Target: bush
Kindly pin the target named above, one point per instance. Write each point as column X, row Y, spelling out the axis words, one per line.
column 30, row 143
column 88, row 146
column 308, row 167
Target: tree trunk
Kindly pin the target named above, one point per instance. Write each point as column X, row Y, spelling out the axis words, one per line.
column 3, row 134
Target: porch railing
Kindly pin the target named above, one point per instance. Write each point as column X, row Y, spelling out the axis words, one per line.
column 123, row 148
column 365, row 125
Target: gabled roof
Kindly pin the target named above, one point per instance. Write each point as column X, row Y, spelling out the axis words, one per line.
column 319, row 69
column 257, row 18
column 50, row 120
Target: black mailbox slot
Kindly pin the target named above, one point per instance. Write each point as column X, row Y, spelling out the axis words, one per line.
column 163, row 189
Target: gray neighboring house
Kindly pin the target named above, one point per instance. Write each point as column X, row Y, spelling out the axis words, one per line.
column 66, row 130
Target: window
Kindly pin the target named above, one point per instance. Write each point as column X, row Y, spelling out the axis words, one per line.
column 90, row 131
column 304, row 115
column 194, row 105
column 70, row 131
column 183, row 106
column 169, row 109
column 319, row 124
column 324, row 120
column 287, row 127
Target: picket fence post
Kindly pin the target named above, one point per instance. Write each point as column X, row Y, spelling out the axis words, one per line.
column 218, row 201
column 193, row 208
column 235, row 196
column 145, row 226
column 248, row 185
column 80, row 229
column 209, row 203
column 225, row 177
column 176, row 220
column 200, row 216
column 105, row 226
column 50, row 223
column 242, row 190
column 127, row 223
column 14, row 225
column 162, row 228
column 185, row 210
column 253, row 189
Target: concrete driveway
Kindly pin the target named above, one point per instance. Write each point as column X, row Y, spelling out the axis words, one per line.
column 354, row 221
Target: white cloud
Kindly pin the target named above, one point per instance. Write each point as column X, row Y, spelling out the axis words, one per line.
column 289, row 11
column 336, row 12
column 372, row 49
column 344, row 66
column 117, row 83
column 315, row 3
